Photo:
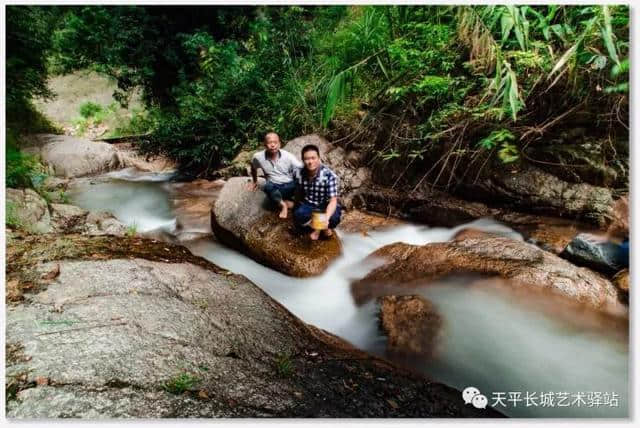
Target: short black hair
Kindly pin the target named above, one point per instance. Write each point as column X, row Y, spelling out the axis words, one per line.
column 310, row 147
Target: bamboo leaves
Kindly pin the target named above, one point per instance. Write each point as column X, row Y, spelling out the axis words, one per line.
column 607, row 35
column 336, row 92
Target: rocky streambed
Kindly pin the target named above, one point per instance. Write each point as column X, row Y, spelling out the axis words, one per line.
column 137, row 326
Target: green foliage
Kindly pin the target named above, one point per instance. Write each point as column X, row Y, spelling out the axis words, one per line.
column 180, row 383
column 23, row 170
column 420, row 78
column 28, row 42
column 132, row 230
column 11, row 217
column 495, row 138
column 89, row 109
column 284, row 365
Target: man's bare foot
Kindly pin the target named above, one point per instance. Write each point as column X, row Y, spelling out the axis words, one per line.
column 328, row 233
column 284, row 211
column 315, row 235
column 289, row 204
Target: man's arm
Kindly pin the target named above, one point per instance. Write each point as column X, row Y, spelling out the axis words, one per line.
column 333, row 195
column 331, row 208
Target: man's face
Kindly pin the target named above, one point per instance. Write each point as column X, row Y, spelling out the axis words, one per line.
column 272, row 143
column 311, row 160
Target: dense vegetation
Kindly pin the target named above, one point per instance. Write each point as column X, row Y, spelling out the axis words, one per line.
column 433, row 93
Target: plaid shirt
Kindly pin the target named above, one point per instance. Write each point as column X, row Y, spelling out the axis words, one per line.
column 318, row 190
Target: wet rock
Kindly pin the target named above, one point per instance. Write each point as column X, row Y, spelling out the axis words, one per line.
column 621, row 280
column 353, row 176
column 619, row 224
column 523, row 264
column 27, row 210
column 73, row 157
column 67, row 218
column 191, row 203
column 596, row 253
column 354, row 221
column 128, row 156
column 244, row 220
column 240, row 165
column 134, row 338
column 581, row 163
column 471, row 233
column 436, row 208
column 533, row 190
column 103, row 223
column 55, row 183
column 411, row 324
column 426, row 206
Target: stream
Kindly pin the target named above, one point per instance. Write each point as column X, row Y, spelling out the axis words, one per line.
column 507, row 348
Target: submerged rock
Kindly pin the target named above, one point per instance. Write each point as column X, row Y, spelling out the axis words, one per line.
column 119, row 332
column 74, row 157
column 243, row 220
column 523, row 264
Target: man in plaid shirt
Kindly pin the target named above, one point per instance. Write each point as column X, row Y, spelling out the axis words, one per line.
column 318, row 187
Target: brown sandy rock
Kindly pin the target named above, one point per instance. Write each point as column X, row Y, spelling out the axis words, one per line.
column 523, row 264
column 243, row 220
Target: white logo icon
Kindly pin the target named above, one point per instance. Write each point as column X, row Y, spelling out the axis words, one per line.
column 468, row 394
column 479, row 401
column 471, row 395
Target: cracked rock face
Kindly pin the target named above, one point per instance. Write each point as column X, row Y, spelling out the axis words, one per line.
column 138, row 338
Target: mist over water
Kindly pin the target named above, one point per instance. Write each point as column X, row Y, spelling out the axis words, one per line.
column 491, row 340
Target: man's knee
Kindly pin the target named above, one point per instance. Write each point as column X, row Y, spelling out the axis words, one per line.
column 302, row 214
column 272, row 191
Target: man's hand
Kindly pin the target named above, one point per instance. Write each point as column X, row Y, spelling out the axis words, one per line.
column 252, row 186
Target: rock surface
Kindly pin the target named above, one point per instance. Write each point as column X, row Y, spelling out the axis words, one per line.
column 28, row 210
column 138, row 337
column 74, row 157
column 523, row 264
column 129, row 157
column 436, row 208
column 533, row 190
column 411, row 324
column 32, row 215
column 596, row 253
column 242, row 219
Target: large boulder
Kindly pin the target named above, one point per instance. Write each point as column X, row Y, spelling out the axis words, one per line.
column 521, row 263
column 120, row 333
column 74, row 157
column 243, row 220
column 347, row 165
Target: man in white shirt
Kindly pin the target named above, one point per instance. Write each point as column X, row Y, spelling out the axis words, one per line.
column 279, row 167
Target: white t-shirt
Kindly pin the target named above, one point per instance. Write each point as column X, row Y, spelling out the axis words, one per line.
column 280, row 170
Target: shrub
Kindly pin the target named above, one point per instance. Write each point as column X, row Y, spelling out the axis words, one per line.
column 89, row 109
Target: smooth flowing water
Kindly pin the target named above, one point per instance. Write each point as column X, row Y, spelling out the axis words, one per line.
column 498, row 343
